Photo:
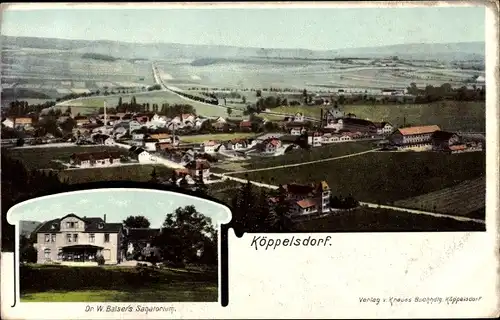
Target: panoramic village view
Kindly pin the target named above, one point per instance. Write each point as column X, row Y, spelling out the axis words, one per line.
column 387, row 137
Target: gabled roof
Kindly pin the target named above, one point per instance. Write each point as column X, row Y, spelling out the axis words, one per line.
column 306, row 203
column 457, row 147
column 418, row 130
column 92, row 224
column 245, row 123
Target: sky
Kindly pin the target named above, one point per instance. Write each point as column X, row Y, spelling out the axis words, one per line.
column 307, row 28
column 116, row 204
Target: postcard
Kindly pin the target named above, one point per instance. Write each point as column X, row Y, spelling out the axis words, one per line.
column 250, row 160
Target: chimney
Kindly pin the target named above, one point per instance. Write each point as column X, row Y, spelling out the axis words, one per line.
column 104, row 218
column 321, row 119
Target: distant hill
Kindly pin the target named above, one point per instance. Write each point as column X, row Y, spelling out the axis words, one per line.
column 27, row 227
column 125, row 50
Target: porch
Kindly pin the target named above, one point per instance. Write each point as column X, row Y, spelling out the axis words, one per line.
column 80, row 253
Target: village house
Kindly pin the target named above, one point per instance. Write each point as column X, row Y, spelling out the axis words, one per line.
column 161, row 137
column 330, row 138
column 163, row 146
column 209, row 146
column 307, row 199
column 236, row 144
column 332, row 114
column 137, row 135
column 138, row 239
column 297, row 131
column 149, row 144
column 269, row 146
column 198, row 166
column 109, row 141
column 188, row 118
column 95, row 159
column 81, row 120
column 174, row 125
column 353, row 125
column 134, row 125
column 139, row 154
column 246, row 125
column 18, row 123
column 75, row 240
column 413, row 138
column 298, row 117
column 315, row 139
column 383, row 128
column 199, row 122
column 220, row 120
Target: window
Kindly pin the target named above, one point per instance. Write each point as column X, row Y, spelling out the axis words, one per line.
column 75, row 237
column 47, row 237
column 53, row 237
column 68, row 237
column 46, row 253
column 101, row 225
column 106, row 237
column 70, row 225
column 91, row 237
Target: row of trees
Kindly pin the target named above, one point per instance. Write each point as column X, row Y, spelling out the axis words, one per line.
column 23, row 108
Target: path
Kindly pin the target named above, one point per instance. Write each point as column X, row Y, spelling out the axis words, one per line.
column 368, row 204
column 303, row 163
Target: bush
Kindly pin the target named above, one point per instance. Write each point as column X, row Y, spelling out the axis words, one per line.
column 100, row 260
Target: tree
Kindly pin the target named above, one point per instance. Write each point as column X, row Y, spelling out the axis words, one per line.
column 133, row 101
column 68, row 111
column 258, row 93
column 20, row 142
column 27, row 250
column 282, row 221
column 120, row 102
column 229, row 112
column 304, row 95
column 185, row 233
column 154, row 176
column 243, row 99
column 136, row 222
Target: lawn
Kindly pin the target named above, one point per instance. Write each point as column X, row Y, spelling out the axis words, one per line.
column 449, row 115
column 382, row 220
column 301, row 155
column 116, row 284
column 88, row 105
column 139, row 173
column 41, row 158
column 216, row 136
column 383, row 176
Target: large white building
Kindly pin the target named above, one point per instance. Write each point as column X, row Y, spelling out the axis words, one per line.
column 413, row 138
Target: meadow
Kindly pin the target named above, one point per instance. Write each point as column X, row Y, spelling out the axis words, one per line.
column 42, row 158
column 52, row 283
column 383, row 177
column 464, row 199
column 300, row 155
column 449, row 115
column 89, row 105
column 138, row 173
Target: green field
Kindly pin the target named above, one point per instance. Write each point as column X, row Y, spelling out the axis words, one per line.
column 300, row 155
column 382, row 220
column 138, row 173
column 465, row 199
column 88, row 105
column 41, row 158
column 449, row 115
column 116, row 284
column 383, row 176
column 216, row 136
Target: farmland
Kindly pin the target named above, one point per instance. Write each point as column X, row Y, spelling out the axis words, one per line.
column 383, row 220
column 41, row 158
column 139, row 173
column 449, row 115
column 298, row 155
column 464, row 199
column 89, row 105
column 383, row 176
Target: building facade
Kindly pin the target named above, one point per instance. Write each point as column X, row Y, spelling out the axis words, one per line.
column 79, row 240
column 413, row 138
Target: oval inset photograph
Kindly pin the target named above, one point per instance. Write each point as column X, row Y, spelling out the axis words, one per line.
column 118, row 245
